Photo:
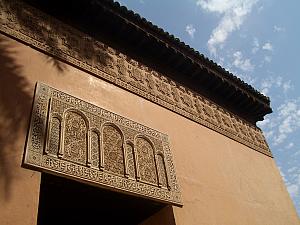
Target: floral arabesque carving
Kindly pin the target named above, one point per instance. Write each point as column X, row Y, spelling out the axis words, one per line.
column 75, row 138
column 113, row 150
column 147, row 170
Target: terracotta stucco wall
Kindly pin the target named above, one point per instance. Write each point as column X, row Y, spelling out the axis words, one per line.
column 222, row 181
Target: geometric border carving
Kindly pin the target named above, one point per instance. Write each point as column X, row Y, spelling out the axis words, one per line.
column 47, row 34
column 73, row 138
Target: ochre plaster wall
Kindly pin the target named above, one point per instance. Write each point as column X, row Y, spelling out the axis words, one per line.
column 222, row 181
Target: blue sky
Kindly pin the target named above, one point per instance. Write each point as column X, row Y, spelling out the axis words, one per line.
column 257, row 40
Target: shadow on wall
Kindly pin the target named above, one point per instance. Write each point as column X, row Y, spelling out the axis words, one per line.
column 61, row 40
column 15, row 104
column 15, row 95
column 30, row 24
column 14, row 101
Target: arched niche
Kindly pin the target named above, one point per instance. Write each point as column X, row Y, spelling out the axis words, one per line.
column 146, row 160
column 113, row 152
column 75, row 137
column 131, row 163
column 54, row 135
column 162, row 173
column 95, row 148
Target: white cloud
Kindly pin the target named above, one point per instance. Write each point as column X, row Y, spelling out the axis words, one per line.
column 278, row 29
column 282, row 174
column 284, row 122
column 267, row 46
column 278, row 81
column 255, row 46
column 275, row 82
column 292, row 169
column 293, row 186
column 241, row 63
column 293, row 189
column 263, row 123
column 287, row 108
column 233, row 14
column 221, row 60
column 190, row 30
column 246, row 78
column 290, row 145
column 265, row 86
column 279, row 138
column 287, row 86
column 288, row 120
column 297, row 153
column 292, row 181
column 269, row 134
column 267, row 59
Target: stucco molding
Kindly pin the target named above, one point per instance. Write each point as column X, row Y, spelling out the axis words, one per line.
column 51, row 36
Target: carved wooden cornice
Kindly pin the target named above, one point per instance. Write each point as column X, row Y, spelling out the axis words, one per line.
column 51, row 36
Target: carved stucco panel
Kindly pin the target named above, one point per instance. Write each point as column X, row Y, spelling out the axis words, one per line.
column 75, row 139
column 146, row 160
column 95, row 149
column 163, row 178
column 131, row 162
column 113, row 150
column 54, row 136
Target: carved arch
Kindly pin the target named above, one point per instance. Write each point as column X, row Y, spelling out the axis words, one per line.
column 75, row 144
column 162, row 170
column 54, row 132
column 112, row 146
column 95, row 148
column 131, row 166
column 146, row 160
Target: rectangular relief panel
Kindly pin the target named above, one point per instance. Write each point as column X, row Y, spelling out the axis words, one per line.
column 73, row 138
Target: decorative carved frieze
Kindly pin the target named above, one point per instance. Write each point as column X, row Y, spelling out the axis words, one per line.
column 73, row 138
column 49, row 35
